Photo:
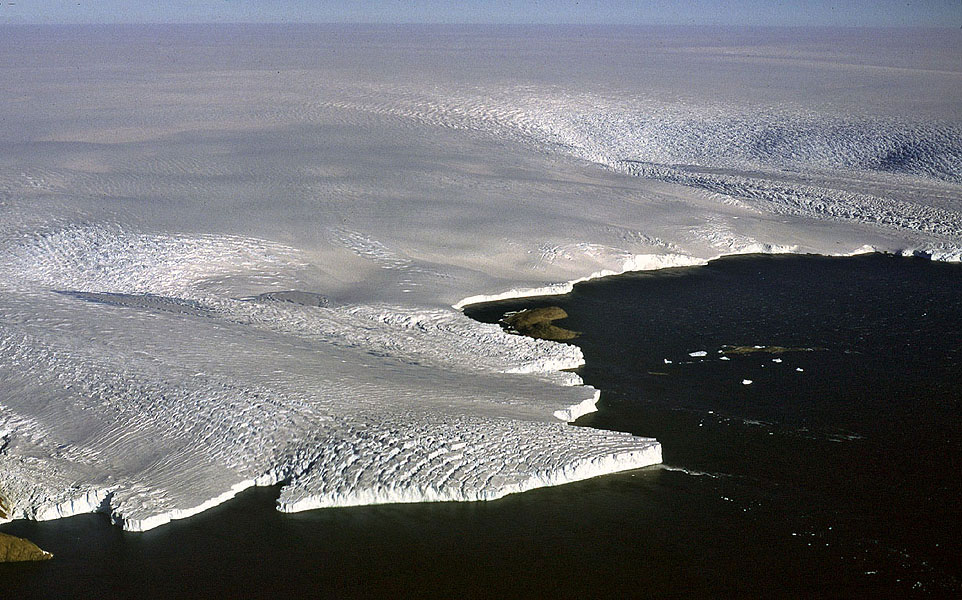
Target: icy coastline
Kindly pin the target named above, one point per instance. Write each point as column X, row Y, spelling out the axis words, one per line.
column 194, row 301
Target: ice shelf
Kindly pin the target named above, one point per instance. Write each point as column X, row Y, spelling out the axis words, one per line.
column 245, row 265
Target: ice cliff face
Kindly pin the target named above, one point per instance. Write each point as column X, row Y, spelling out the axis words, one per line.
column 237, row 266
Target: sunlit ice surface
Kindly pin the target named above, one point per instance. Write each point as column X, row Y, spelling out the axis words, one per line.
column 235, row 255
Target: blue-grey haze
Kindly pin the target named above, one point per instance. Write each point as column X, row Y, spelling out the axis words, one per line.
column 946, row 13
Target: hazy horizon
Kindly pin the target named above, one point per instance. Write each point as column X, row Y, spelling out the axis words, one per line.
column 819, row 13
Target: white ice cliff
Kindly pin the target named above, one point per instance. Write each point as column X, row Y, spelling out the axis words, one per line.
column 235, row 256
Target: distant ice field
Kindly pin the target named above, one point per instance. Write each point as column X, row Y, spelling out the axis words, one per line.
column 231, row 255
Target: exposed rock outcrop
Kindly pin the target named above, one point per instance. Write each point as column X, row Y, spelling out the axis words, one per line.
column 14, row 549
column 536, row 323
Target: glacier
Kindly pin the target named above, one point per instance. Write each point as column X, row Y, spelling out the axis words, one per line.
column 236, row 255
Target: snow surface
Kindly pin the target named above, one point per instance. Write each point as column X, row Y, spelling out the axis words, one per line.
column 234, row 255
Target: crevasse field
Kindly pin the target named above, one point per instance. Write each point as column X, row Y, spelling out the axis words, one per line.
column 234, row 255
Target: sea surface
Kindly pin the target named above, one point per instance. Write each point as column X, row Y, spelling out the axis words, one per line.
column 834, row 473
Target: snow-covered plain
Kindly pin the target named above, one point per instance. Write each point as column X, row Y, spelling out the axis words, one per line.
column 233, row 256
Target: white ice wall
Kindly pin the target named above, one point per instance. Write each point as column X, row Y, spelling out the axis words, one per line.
column 160, row 188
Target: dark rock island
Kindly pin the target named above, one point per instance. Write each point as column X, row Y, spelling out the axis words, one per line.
column 536, row 323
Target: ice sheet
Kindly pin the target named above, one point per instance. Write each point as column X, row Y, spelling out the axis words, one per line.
column 234, row 256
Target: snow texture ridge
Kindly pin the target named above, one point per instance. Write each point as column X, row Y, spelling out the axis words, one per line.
column 248, row 269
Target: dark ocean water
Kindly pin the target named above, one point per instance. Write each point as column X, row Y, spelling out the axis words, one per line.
column 839, row 480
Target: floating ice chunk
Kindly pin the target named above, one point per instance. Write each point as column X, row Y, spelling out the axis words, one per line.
column 776, row 360
column 799, row 369
column 697, row 354
column 724, row 358
column 667, row 362
column 746, row 381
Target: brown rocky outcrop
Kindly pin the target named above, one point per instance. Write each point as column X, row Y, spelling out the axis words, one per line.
column 536, row 323
column 14, row 549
